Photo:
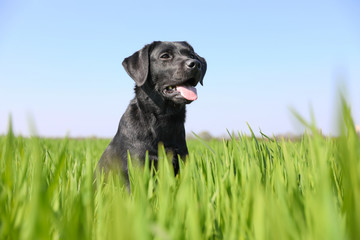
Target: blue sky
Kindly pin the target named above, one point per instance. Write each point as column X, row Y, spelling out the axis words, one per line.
column 60, row 62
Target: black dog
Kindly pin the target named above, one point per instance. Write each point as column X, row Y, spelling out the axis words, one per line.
column 165, row 74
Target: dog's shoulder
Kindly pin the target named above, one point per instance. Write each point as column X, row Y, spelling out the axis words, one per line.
column 135, row 122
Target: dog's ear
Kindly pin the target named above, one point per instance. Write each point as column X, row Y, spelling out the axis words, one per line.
column 137, row 65
column 203, row 67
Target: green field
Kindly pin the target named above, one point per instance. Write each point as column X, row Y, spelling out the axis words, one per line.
column 239, row 188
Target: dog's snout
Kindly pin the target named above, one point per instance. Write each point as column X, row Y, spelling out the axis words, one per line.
column 193, row 63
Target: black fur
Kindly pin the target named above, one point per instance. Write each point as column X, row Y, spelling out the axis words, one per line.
column 156, row 115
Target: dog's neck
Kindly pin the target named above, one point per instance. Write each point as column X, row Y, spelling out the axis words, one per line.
column 150, row 101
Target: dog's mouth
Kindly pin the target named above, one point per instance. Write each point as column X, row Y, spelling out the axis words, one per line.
column 186, row 89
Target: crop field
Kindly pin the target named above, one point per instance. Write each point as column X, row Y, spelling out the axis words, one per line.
column 238, row 188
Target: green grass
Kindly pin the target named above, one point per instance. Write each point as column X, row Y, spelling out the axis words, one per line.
column 241, row 188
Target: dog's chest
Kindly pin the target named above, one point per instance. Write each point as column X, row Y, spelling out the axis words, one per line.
column 169, row 129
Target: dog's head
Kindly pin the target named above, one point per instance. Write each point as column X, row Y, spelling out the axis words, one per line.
column 172, row 69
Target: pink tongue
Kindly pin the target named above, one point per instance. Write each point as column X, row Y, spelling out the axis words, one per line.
column 188, row 92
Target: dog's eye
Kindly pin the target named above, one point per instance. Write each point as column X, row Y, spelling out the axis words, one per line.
column 165, row 56
column 192, row 56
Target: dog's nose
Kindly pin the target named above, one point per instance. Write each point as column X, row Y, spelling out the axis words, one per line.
column 193, row 63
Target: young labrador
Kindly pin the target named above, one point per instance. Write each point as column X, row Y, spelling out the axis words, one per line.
column 166, row 74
